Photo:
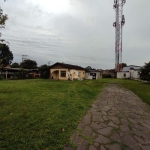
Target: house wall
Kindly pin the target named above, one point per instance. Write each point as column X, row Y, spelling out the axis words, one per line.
column 76, row 74
column 123, row 75
column 134, row 74
column 98, row 75
column 81, row 73
column 88, row 76
column 56, row 73
column 131, row 74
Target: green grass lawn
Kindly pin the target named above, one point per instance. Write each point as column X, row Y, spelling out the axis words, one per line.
column 42, row 114
column 139, row 88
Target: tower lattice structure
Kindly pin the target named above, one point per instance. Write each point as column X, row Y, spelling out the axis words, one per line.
column 118, row 24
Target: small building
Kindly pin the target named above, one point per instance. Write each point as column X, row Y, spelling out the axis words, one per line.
column 8, row 72
column 93, row 74
column 62, row 71
column 129, row 72
column 123, row 75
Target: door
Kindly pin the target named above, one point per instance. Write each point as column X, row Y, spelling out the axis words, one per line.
column 94, row 76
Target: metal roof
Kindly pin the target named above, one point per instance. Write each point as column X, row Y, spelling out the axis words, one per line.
column 127, row 68
column 68, row 66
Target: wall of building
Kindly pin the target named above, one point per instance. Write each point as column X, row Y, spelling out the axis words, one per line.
column 89, row 76
column 131, row 74
column 72, row 74
column 56, row 74
column 134, row 74
column 123, row 75
column 76, row 74
column 99, row 76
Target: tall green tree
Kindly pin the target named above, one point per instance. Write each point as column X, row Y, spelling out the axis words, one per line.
column 145, row 72
column 44, row 71
column 29, row 64
column 3, row 19
column 6, row 56
column 15, row 65
column 124, row 65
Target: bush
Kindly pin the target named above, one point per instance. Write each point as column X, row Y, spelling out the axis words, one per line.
column 145, row 72
column 29, row 76
column 44, row 71
column 21, row 74
column 106, row 76
column 1, row 77
column 146, row 77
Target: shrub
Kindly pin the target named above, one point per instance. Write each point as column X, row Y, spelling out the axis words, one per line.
column 106, row 76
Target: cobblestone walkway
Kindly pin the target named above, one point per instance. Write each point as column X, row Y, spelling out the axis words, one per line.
column 118, row 120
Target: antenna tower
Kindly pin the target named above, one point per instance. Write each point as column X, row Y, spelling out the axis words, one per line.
column 120, row 21
column 24, row 57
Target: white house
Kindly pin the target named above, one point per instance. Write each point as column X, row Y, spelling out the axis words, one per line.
column 129, row 72
column 123, row 75
column 93, row 74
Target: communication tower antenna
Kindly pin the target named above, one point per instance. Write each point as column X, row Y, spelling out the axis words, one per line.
column 24, row 57
column 120, row 21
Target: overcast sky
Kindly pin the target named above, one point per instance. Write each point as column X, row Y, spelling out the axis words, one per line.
column 78, row 32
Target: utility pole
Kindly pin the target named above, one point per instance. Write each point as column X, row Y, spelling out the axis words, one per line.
column 120, row 21
column 24, row 57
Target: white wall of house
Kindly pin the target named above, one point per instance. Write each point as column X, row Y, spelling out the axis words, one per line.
column 131, row 74
column 134, row 74
column 123, row 75
column 89, row 75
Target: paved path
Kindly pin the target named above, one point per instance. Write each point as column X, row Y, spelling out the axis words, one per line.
column 118, row 120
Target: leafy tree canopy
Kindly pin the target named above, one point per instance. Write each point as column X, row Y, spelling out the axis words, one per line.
column 6, row 56
column 44, row 71
column 29, row 64
column 15, row 65
column 3, row 19
column 145, row 72
column 124, row 65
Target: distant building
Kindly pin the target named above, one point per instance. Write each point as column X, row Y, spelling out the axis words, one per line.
column 62, row 71
column 129, row 72
column 8, row 72
column 93, row 73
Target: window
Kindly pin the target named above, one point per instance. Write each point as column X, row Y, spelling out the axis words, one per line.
column 63, row 73
column 124, row 75
column 79, row 74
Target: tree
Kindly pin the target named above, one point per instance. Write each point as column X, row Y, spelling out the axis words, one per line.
column 6, row 56
column 21, row 74
column 44, row 71
column 124, row 65
column 3, row 18
column 15, row 65
column 145, row 72
column 29, row 64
